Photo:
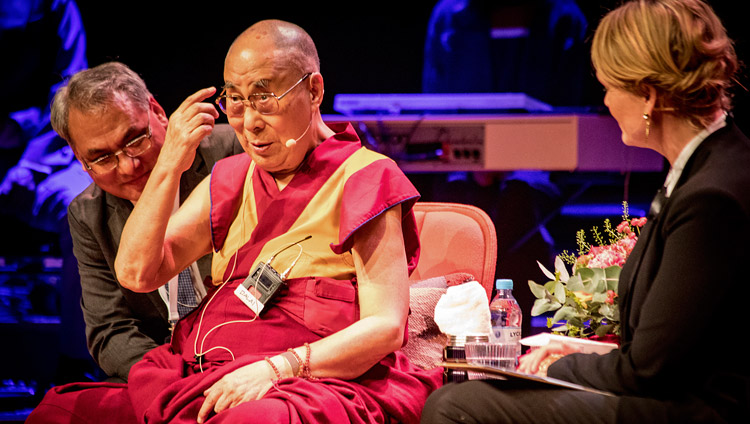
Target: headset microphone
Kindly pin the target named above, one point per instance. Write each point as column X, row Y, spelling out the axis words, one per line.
column 292, row 141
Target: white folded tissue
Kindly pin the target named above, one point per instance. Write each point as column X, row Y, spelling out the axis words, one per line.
column 463, row 310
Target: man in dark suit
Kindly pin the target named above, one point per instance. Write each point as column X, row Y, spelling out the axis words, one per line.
column 116, row 129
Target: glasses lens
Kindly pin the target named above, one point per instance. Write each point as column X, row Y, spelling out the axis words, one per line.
column 234, row 105
column 222, row 102
column 104, row 165
column 265, row 104
column 137, row 146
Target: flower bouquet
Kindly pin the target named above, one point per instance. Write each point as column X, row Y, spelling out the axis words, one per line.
column 585, row 301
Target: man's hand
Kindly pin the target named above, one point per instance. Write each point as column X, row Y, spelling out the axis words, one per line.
column 189, row 124
column 244, row 384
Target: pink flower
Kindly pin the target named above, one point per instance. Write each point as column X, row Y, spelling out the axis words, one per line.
column 628, row 244
column 611, row 295
column 583, row 261
column 638, row 222
column 606, row 256
column 624, row 227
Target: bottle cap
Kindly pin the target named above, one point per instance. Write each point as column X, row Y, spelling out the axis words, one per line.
column 504, row 284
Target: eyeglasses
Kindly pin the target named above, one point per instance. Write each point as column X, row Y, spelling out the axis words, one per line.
column 265, row 103
column 133, row 148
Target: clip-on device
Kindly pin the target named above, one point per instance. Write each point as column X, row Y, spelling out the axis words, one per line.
column 262, row 285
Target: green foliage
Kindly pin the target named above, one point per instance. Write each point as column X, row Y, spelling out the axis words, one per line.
column 584, row 302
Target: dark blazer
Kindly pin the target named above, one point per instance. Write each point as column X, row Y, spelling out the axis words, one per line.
column 681, row 298
column 121, row 325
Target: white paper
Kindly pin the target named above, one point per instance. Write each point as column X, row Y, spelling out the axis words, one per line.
column 583, row 345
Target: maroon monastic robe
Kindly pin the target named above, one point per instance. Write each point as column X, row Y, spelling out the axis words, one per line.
column 168, row 384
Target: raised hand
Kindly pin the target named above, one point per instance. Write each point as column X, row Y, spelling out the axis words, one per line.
column 189, row 124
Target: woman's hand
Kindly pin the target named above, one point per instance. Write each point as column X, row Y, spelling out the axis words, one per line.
column 244, row 384
column 539, row 359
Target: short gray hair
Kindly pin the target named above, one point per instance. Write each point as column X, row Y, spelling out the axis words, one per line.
column 94, row 91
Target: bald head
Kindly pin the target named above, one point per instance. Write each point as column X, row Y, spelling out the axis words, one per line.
column 292, row 44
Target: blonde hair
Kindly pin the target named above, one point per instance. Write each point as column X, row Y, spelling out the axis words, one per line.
column 678, row 47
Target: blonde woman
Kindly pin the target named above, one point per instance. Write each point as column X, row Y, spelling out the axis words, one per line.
column 666, row 66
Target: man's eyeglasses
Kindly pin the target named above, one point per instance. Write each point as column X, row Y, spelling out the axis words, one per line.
column 265, row 103
column 133, row 148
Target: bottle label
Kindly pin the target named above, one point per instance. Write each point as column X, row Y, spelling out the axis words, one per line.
column 507, row 334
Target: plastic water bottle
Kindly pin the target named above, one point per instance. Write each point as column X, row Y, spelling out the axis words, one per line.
column 506, row 316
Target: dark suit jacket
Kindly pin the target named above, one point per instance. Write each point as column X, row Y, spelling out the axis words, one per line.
column 121, row 325
column 681, row 297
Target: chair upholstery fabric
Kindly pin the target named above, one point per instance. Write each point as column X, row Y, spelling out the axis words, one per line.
column 458, row 244
column 455, row 238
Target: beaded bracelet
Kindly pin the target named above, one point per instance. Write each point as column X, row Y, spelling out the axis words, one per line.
column 296, row 355
column 275, row 370
column 305, row 371
column 293, row 359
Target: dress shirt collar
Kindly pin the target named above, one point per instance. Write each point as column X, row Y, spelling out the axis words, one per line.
column 679, row 164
